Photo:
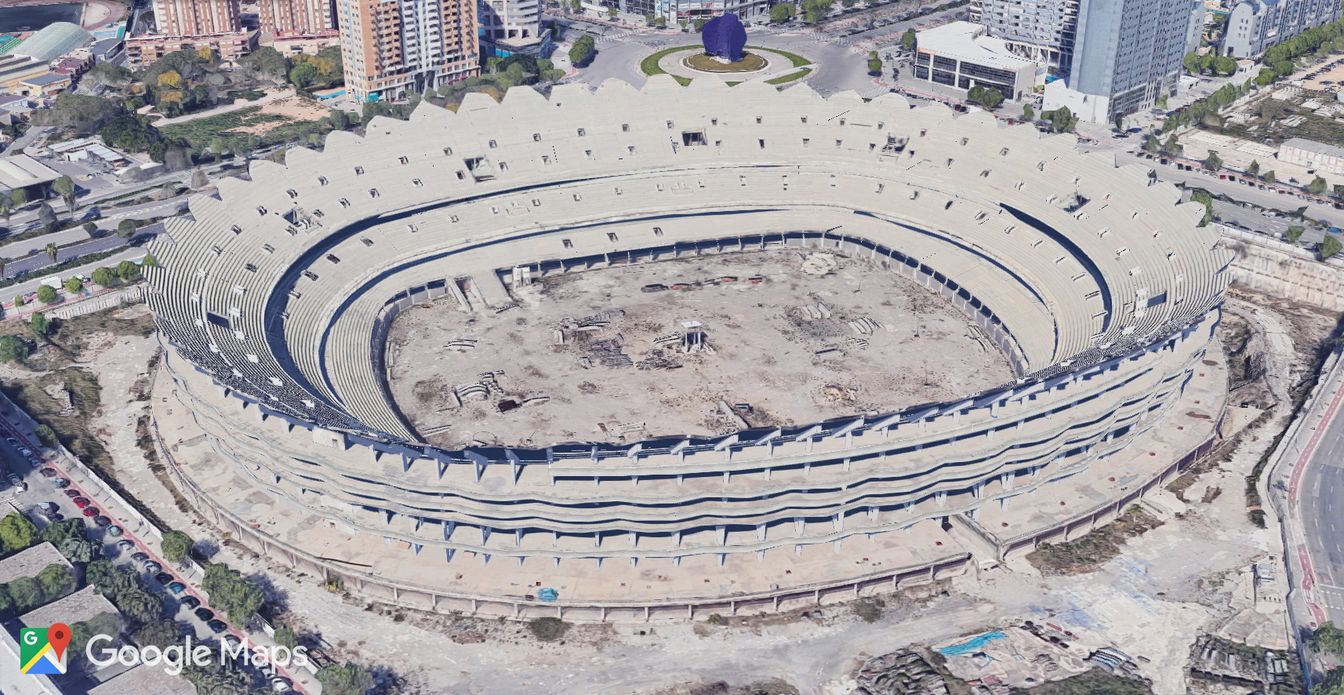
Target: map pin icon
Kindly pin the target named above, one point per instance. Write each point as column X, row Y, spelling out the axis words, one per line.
column 58, row 636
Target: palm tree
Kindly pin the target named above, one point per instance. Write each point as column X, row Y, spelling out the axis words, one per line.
column 52, row 251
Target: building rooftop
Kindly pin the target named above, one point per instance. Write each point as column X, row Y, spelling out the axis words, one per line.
column 27, row 563
column 968, row 42
column 144, row 680
column 1313, row 146
column 53, row 41
column 21, row 171
column 83, row 605
column 47, row 79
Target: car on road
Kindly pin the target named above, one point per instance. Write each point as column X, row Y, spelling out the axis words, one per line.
column 90, row 512
column 217, row 626
column 163, row 578
column 204, row 614
column 81, row 502
column 190, row 602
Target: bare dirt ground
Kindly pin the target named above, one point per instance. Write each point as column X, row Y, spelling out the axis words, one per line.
column 589, row 355
column 283, row 112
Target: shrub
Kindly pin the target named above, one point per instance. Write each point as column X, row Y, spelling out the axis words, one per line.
column 548, row 629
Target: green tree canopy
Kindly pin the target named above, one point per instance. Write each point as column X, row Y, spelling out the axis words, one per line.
column 874, row 63
column 73, row 284
column 1317, row 186
column 104, row 277
column 16, row 533
column 582, row 52
column 126, row 228
column 13, row 349
column 815, row 10
column 782, row 12
column 176, row 546
column 38, row 322
column 235, row 595
column 909, row 40
column 346, row 679
column 1330, row 246
column 47, row 294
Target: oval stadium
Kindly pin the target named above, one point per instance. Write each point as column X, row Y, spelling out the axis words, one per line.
column 656, row 353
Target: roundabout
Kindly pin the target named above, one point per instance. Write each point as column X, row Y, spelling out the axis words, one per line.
column 685, row 63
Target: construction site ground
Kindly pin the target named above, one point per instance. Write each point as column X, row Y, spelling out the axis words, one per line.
column 590, row 356
column 1168, row 586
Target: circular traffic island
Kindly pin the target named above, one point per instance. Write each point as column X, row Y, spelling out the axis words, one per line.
column 686, row 63
column 703, row 62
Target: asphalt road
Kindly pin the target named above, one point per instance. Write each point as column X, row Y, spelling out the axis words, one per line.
column 1321, row 492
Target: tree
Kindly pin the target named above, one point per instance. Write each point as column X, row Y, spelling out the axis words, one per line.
column 65, row 187
column 1028, row 113
column 1173, row 147
column 19, row 300
column 73, row 285
column 874, row 63
column 1119, row 122
column 611, row 12
column 815, row 10
column 176, row 546
column 285, row 637
column 46, row 216
column 16, row 533
column 52, row 252
column 1332, row 683
column 55, row 581
column 126, row 228
column 236, row 596
column 104, row 277
column 128, row 271
column 62, row 531
column 47, row 435
column 1062, row 120
column 1295, row 232
column 1193, row 63
column 582, row 52
column 1202, row 197
column 47, row 294
column 13, row 349
column 303, row 75
column 159, row 633
column 1212, row 161
column 1269, row 177
column 6, row 208
column 347, row 679
column 1224, row 65
column 782, row 12
column 38, row 323
column 27, row 593
column 1317, row 186
column 1151, row 144
column 909, row 40
column 19, row 196
column 1254, row 168
column 77, row 550
column 139, row 605
column 988, row 97
column 1329, row 247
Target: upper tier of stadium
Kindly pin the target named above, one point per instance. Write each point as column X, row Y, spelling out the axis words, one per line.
column 281, row 288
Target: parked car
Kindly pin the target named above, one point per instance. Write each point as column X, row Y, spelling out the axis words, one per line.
column 140, row 558
column 217, row 626
column 163, row 578
column 60, row 483
column 114, row 531
column 81, row 502
column 71, row 493
column 90, row 512
column 153, row 568
column 280, row 684
column 48, row 472
column 177, row 587
column 125, row 545
column 190, row 601
column 205, row 614
column 102, row 521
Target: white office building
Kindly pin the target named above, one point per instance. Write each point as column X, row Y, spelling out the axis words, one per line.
column 961, row 55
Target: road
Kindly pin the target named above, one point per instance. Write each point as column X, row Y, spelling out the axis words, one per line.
column 1321, row 499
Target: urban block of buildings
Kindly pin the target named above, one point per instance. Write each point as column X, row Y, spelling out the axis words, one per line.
column 391, row 48
column 1255, row 25
column 1313, row 155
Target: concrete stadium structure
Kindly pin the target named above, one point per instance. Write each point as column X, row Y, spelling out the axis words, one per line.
column 273, row 302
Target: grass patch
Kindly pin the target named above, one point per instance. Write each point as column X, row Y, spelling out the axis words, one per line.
column 797, row 60
column 649, row 66
column 1088, row 552
column 785, row 79
column 1089, row 683
column 198, row 133
column 705, row 63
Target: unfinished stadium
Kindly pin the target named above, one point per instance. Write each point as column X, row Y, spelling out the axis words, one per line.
column 1083, row 295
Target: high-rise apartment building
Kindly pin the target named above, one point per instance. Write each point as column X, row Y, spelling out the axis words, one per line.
column 196, row 17
column 1255, row 25
column 391, row 48
column 510, row 23
column 296, row 17
column 1127, row 55
column 192, row 24
column 1038, row 30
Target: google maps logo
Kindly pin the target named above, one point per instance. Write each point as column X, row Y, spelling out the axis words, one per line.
column 42, row 650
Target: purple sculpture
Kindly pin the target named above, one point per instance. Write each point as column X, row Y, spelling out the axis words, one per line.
column 724, row 37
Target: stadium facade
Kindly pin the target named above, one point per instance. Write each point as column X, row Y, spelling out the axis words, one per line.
column 273, row 302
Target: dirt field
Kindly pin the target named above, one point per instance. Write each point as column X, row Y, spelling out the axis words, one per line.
column 283, row 111
column 590, row 356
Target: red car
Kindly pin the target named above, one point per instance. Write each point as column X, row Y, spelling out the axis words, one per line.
column 90, row 511
column 81, row 502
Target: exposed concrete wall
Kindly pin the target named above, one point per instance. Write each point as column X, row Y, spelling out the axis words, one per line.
column 1284, row 270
